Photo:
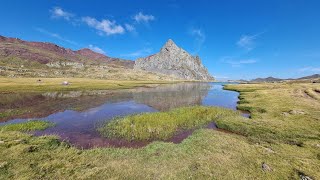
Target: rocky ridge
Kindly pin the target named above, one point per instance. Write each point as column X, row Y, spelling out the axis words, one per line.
column 174, row 61
column 46, row 53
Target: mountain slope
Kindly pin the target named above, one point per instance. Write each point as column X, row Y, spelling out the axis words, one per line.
column 176, row 62
column 20, row 58
column 44, row 53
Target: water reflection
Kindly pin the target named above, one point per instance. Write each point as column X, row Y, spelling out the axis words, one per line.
column 77, row 114
column 163, row 98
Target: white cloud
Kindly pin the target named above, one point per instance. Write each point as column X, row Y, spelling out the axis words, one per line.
column 129, row 27
column 106, row 26
column 96, row 49
column 200, row 38
column 143, row 18
column 310, row 69
column 58, row 12
column 55, row 35
column 247, row 42
column 138, row 53
column 238, row 63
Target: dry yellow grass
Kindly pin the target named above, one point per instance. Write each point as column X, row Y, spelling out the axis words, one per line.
column 55, row 84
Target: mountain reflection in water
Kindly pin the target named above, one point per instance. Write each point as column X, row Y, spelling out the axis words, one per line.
column 77, row 114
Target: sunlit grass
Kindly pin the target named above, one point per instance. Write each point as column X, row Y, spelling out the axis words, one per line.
column 163, row 125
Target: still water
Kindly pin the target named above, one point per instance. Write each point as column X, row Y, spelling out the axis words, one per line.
column 77, row 114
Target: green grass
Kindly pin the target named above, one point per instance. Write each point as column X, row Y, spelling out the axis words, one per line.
column 163, row 125
column 269, row 106
column 289, row 144
column 27, row 126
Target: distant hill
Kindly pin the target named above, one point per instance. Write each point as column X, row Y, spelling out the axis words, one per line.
column 272, row 79
column 311, row 77
column 268, row 79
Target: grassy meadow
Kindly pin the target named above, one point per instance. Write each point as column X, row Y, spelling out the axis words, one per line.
column 281, row 140
column 14, row 85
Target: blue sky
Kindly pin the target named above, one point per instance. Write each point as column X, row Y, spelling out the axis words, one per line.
column 235, row 39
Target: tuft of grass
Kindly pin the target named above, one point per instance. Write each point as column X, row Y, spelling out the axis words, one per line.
column 163, row 125
column 27, row 126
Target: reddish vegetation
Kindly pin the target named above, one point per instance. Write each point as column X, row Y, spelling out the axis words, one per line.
column 44, row 53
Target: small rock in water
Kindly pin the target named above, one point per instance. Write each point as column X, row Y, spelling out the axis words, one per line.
column 65, row 83
column 265, row 167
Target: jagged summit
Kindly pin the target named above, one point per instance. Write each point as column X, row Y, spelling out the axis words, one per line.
column 170, row 46
column 173, row 60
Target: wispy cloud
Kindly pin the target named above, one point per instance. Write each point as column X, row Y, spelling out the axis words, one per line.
column 247, row 42
column 310, row 69
column 143, row 18
column 138, row 53
column 200, row 38
column 96, row 49
column 129, row 27
column 238, row 62
column 106, row 26
column 55, row 35
column 58, row 12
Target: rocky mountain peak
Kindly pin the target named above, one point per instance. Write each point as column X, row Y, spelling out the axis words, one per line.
column 170, row 46
column 173, row 60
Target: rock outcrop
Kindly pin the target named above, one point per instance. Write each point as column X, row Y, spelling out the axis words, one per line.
column 174, row 61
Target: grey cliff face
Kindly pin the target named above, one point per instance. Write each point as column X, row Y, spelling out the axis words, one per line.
column 173, row 60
